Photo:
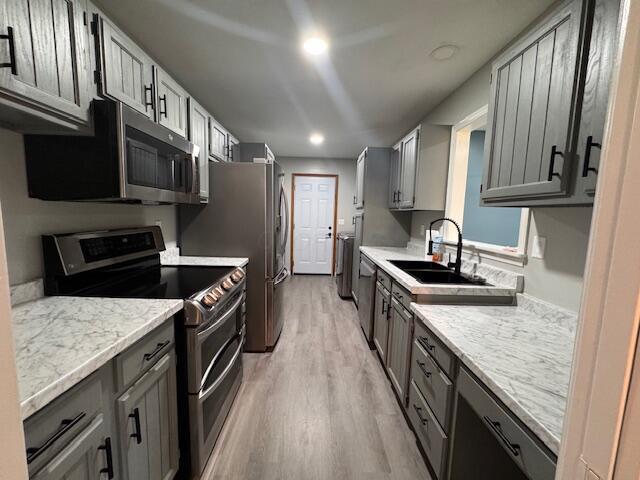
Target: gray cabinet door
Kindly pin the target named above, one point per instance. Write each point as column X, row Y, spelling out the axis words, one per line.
column 82, row 459
column 398, row 351
column 602, row 46
column 355, row 268
column 408, row 171
column 46, row 47
column 360, row 171
column 148, row 424
column 199, row 135
column 231, row 142
column 527, row 151
column 172, row 102
column 217, row 140
column 395, row 175
column 127, row 71
column 381, row 322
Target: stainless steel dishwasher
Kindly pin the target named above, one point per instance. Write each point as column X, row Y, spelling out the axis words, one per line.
column 344, row 264
column 366, row 297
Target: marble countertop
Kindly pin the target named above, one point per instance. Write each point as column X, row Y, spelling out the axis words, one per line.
column 522, row 353
column 171, row 257
column 503, row 283
column 59, row 341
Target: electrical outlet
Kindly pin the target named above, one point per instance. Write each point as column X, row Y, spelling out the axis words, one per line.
column 422, row 230
column 538, row 247
column 341, row 221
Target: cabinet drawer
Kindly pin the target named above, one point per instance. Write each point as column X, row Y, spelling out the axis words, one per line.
column 435, row 348
column 384, row 279
column 430, row 435
column 141, row 356
column 403, row 296
column 521, row 446
column 433, row 384
column 53, row 427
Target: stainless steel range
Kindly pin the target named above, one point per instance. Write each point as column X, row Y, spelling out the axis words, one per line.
column 210, row 331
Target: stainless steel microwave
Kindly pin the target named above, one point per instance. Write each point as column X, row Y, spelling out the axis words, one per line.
column 128, row 159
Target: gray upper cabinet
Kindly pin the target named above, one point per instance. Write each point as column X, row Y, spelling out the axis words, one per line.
column 395, row 175
column 199, row 135
column 360, row 172
column 602, row 26
column 217, row 140
column 529, row 136
column 44, row 52
column 171, row 103
column 398, row 348
column 148, row 424
column 85, row 457
column 126, row 71
column 408, row 170
column 231, row 142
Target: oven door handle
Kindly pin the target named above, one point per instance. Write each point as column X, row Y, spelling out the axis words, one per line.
column 203, row 335
column 205, row 393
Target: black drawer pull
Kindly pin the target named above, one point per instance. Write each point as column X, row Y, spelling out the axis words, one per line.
column 554, row 153
column 157, row 350
column 137, row 434
column 163, row 101
column 423, row 420
column 421, row 365
column 424, row 341
column 385, row 307
column 65, row 426
column 107, row 450
column 514, row 448
column 587, row 156
column 12, row 64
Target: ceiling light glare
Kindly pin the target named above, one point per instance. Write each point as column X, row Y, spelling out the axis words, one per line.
column 315, row 46
column 316, row 138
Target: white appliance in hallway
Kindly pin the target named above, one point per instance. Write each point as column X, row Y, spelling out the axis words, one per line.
column 313, row 223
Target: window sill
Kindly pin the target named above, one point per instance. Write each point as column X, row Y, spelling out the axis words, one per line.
column 508, row 255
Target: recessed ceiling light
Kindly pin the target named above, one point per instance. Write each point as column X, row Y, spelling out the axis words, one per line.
column 444, row 52
column 316, row 138
column 315, row 45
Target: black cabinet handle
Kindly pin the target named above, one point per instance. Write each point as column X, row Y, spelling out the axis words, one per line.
column 65, row 426
column 426, row 372
column 425, row 343
column 163, row 101
column 514, row 448
column 384, row 306
column 107, row 450
column 12, row 64
column 158, row 349
column 423, row 420
column 137, row 434
column 148, row 94
column 587, row 156
column 554, row 153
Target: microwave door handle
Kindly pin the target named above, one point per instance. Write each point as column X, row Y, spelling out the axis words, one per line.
column 193, row 180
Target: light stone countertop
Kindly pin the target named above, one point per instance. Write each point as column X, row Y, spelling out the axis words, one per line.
column 503, row 283
column 59, row 341
column 171, row 257
column 522, row 353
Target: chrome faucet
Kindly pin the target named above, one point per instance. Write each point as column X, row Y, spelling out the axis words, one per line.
column 458, row 248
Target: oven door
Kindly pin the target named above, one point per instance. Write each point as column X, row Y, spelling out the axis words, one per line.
column 206, row 344
column 209, row 408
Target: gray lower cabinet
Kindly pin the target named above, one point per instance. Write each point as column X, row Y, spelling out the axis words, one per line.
column 148, row 424
column 381, row 320
column 355, row 268
column 171, row 102
column 44, row 51
column 199, row 135
column 398, row 348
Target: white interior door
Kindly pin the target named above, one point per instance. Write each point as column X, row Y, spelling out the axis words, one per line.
column 314, row 205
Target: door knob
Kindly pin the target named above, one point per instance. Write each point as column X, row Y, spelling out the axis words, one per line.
column 328, row 235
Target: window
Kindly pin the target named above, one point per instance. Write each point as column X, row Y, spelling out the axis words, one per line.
column 493, row 231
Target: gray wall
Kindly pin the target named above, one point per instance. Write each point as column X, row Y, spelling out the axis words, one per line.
column 25, row 219
column 558, row 277
column 345, row 168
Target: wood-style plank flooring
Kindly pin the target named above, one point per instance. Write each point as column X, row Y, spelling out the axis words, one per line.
column 319, row 406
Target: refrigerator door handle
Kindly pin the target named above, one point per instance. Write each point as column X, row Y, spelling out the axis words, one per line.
column 285, row 216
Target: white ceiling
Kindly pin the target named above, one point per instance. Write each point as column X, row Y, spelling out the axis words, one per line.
column 242, row 60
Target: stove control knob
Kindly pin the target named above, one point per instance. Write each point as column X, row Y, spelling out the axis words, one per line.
column 237, row 275
column 210, row 299
column 227, row 284
column 218, row 291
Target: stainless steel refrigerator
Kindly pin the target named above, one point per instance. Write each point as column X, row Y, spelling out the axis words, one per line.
column 247, row 216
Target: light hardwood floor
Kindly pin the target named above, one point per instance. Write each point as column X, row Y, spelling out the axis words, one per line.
column 319, row 406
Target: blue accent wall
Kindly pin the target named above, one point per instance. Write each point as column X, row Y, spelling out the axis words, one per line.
column 495, row 225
